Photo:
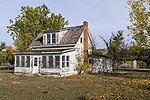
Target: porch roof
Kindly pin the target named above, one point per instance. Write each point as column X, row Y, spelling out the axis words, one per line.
column 44, row 51
column 53, row 46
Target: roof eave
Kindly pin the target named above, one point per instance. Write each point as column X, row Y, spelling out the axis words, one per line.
column 57, row 45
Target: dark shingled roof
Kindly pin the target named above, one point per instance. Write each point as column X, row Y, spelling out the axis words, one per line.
column 36, row 43
column 71, row 37
column 51, row 31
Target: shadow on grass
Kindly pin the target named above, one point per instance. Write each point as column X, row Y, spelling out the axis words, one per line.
column 126, row 74
column 82, row 98
column 7, row 71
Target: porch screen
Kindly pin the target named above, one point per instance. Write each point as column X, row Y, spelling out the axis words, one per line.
column 17, row 61
column 44, row 61
column 57, row 61
column 22, row 61
column 28, row 61
column 50, row 62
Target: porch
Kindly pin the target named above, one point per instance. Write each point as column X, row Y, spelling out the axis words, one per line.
column 44, row 64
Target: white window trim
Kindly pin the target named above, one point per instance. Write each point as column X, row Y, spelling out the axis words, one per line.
column 42, row 61
column 49, row 62
column 19, row 65
column 56, row 38
column 59, row 61
column 65, row 61
column 45, row 40
column 29, row 61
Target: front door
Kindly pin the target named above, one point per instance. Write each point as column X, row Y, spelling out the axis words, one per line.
column 35, row 64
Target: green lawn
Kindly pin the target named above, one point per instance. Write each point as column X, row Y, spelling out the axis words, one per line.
column 106, row 86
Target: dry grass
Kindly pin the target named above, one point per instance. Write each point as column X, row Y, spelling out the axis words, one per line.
column 107, row 86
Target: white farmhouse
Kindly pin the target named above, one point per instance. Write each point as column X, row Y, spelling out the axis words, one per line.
column 55, row 51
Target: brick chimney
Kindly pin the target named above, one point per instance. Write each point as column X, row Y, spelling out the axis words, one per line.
column 85, row 23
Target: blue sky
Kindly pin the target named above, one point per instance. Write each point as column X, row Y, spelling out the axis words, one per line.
column 104, row 16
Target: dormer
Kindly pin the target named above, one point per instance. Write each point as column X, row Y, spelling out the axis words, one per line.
column 53, row 37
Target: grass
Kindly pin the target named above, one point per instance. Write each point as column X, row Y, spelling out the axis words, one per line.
column 105, row 86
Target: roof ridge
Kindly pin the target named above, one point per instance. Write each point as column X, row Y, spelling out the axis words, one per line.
column 63, row 28
column 73, row 26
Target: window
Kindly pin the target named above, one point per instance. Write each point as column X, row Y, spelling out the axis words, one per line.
column 67, row 61
column 90, row 61
column 53, row 38
column 28, row 61
column 48, row 38
column 57, row 61
column 51, row 62
column 35, row 61
column 22, row 61
column 43, row 61
column 63, row 61
column 17, row 61
column 81, row 40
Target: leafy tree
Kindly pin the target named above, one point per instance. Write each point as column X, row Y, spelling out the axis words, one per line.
column 9, row 55
column 80, row 63
column 1, row 58
column 146, row 57
column 117, row 49
column 139, row 13
column 6, row 57
column 31, row 22
column 2, row 46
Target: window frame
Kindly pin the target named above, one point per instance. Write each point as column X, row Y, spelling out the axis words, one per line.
column 44, row 65
column 63, row 61
column 51, row 62
column 57, row 61
column 54, row 38
column 48, row 38
column 18, row 61
column 67, row 61
column 44, row 38
column 23, row 61
column 28, row 61
column 36, row 61
column 81, row 40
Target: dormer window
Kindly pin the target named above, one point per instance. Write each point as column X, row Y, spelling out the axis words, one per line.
column 53, row 38
column 48, row 38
